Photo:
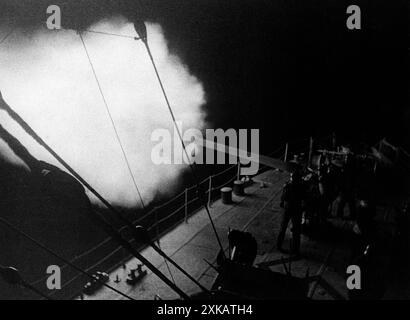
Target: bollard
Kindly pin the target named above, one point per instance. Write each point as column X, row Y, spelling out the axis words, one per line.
column 226, row 195
column 310, row 152
column 239, row 187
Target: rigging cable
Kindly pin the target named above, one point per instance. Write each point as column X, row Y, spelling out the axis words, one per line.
column 105, row 202
column 102, row 33
column 191, row 165
column 128, row 223
column 141, row 31
column 12, row 276
column 25, row 235
column 117, row 134
column 107, row 227
column 112, row 120
column 32, row 288
column 112, row 34
column 166, row 263
column 6, row 36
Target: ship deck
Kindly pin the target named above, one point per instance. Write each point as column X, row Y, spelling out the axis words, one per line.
column 193, row 243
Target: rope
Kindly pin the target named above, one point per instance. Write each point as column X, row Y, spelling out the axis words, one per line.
column 34, row 289
column 112, row 121
column 112, row 34
column 191, row 165
column 166, row 262
column 107, row 226
column 246, row 226
column 25, row 235
column 104, row 33
column 84, row 254
column 140, row 219
column 118, row 137
column 6, row 36
column 12, row 276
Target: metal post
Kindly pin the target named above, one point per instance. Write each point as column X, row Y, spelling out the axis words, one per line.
column 286, row 152
column 375, row 161
column 186, row 205
column 209, row 191
column 156, row 225
column 116, row 236
column 144, row 238
column 334, row 141
column 238, row 175
column 310, row 151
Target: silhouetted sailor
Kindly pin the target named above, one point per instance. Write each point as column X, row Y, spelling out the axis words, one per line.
column 365, row 219
column 403, row 222
column 312, row 199
column 291, row 202
column 324, row 185
column 347, row 188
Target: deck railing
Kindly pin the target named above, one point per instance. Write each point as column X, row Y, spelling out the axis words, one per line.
column 160, row 220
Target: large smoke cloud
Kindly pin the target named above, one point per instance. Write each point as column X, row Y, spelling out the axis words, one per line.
column 45, row 76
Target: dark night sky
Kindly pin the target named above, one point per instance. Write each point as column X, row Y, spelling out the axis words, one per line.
column 290, row 68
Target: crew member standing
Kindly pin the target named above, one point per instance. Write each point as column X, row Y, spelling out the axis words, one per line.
column 347, row 188
column 291, row 202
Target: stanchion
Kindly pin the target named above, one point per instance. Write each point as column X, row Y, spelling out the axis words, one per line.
column 156, row 226
column 186, row 205
column 286, row 152
column 226, row 195
column 209, row 191
column 310, row 151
